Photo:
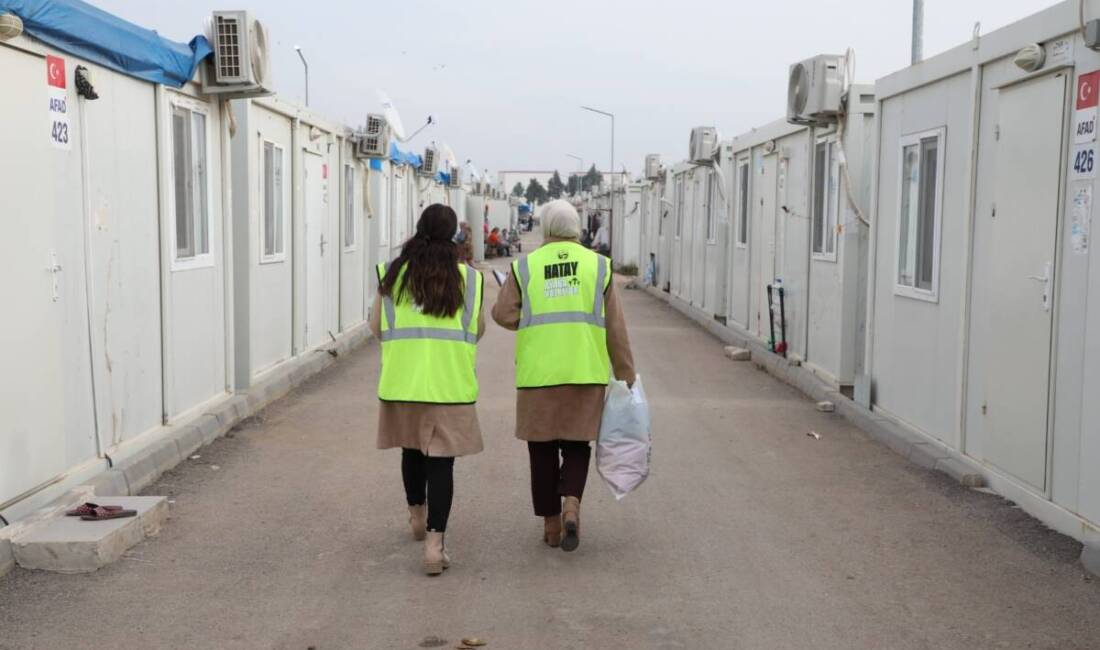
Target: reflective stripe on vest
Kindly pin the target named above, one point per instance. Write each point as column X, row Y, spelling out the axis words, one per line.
column 562, row 337
column 429, row 359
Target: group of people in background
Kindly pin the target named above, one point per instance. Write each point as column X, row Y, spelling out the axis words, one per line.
column 570, row 337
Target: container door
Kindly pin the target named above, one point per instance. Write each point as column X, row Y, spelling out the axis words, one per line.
column 1027, row 190
column 48, row 423
column 316, row 248
column 766, row 205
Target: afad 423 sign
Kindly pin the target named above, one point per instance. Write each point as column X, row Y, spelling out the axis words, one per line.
column 58, row 106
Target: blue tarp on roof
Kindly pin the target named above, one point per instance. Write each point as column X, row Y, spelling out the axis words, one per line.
column 82, row 30
column 443, row 177
column 404, row 157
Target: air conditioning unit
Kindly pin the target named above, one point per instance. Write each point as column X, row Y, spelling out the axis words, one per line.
column 374, row 141
column 815, row 90
column 456, row 177
column 653, row 166
column 241, row 65
column 704, row 139
column 430, row 163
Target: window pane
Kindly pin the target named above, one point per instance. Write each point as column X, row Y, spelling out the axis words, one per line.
column 926, row 233
column 832, row 195
column 280, row 201
column 181, row 172
column 349, row 205
column 907, row 223
column 269, row 199
column 202, row 215
column 818, row 228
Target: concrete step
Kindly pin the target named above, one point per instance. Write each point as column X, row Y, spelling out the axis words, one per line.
column 72, row 545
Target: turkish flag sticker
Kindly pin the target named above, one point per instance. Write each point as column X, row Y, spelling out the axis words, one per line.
column 55, row 71
column 1088, row 90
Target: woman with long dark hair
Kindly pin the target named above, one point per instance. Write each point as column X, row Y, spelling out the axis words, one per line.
column 428, row 317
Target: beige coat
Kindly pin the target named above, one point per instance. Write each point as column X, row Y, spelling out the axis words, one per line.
column 565, row 412
column 444, row 430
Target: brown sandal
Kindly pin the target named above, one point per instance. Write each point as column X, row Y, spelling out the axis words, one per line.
column 87, row 509
column 102, row 513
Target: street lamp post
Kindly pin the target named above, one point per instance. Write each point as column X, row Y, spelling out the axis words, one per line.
column 298, row 49
column 611, row 202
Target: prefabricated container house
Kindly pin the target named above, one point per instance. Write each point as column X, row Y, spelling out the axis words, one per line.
column 174, row 248
column 984, row 308
column 117, row 282
column 301, row 246
column 800, row 223
column 774, row 210
column 697, row 232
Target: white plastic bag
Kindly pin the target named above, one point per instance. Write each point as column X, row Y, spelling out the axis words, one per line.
column 623, row 449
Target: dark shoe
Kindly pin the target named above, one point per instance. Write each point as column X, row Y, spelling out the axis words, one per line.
column 571, row 520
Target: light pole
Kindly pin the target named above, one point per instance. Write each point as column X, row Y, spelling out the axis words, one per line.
column 918, row 31
column 298, row 49
column 580, row 171
column 611, row 170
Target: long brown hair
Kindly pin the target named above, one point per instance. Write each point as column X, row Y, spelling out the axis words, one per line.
column 430, row 259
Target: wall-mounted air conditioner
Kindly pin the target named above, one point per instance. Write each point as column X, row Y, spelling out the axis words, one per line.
column 374, row 141
column 653, row 167
column 815, row 90
column 240, row 66
column 456, row 177
column 430, row 163
column 703, row 141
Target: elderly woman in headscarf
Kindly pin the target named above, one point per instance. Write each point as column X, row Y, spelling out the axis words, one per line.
column 565, row 307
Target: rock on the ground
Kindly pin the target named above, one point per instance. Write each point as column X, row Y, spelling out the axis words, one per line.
column 738, row 354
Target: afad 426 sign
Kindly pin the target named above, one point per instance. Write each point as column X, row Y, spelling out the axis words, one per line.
column 1083, row 163
column 58, row 107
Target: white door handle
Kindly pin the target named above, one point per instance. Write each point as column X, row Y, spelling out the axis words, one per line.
column 1045, row 279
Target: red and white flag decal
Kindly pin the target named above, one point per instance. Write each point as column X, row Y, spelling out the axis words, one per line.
column 55, row 71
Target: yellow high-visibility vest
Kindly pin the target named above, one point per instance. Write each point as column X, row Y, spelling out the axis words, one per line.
column 426, row 358
column 562, row 336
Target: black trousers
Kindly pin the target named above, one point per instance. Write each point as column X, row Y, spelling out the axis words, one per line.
column 430, row 479
column 553, row 478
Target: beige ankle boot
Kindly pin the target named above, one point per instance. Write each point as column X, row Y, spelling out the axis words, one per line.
column 552, row 531
column 435, row 555
column 418, row 521
column 571, row 520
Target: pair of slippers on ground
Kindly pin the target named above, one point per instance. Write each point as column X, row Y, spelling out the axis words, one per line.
column 96, row 512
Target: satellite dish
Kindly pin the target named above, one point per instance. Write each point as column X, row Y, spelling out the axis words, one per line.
column 471, row 169
column 393, row 119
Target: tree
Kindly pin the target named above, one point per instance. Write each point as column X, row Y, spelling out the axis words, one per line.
column 518, row 189
column 554, row 187
column 592, row 179
column 536, row 193
column 574, row 185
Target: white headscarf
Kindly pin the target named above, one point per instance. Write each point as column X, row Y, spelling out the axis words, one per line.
column 560, row 220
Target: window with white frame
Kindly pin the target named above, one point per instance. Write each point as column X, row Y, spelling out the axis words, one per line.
column 349, row 207
column 679, row 204
column 919, row 200
column 711, row 206
column 274, row 203
column 826, row 200
column 743, row 203
column 190, row 183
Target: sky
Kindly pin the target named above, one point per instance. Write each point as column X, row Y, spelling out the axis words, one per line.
column 504, row 80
